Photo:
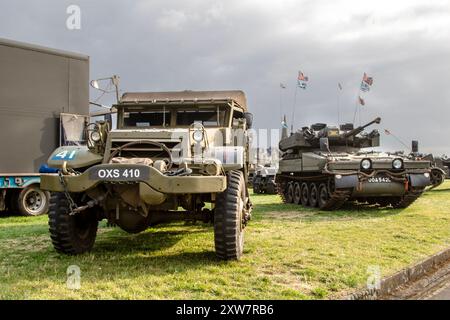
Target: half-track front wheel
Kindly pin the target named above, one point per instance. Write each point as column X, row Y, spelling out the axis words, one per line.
column 229, row 218
column 71, row 234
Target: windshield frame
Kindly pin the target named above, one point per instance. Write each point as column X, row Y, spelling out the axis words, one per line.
column 173, row 110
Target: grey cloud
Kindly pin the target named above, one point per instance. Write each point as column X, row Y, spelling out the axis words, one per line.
column 251, row 45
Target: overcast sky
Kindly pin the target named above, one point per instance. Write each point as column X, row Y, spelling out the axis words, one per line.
column 254, row 45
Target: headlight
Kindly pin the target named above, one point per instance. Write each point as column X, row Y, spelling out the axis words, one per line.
column 397, row 164
column 95, row 136
column 366, row 164
column 198, row 136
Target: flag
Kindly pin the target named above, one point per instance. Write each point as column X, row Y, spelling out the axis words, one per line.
column 364, row 87
column 368, row 80
column 301, row 80
column 339, row 86
column 282, row 85
column 361, row 101
column 302, row 85
column 284, row 124
column 386, row 131
column 301, row 77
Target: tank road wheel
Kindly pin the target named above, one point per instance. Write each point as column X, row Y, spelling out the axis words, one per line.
column 323, row 196
column 30, row 201
column 304, row 192
column 290, row 193
column 71, row 234
column 437, row 177
column 229, row 218
column 297, row 193
column 313, row 195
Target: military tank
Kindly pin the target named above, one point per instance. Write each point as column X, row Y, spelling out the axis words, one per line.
column 325, row 166
column 264, row 180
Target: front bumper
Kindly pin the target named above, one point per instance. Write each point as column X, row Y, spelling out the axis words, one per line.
column 157, row 181
column 363, row 187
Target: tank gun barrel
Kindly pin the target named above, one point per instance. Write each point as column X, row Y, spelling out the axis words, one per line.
column 360, row 129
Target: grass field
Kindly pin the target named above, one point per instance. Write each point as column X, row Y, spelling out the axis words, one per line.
column 290, row 253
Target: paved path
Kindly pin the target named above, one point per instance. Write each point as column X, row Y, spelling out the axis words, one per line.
column 433, row 286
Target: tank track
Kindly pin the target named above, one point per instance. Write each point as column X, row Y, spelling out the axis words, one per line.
column 336, row 199
column 408, row 198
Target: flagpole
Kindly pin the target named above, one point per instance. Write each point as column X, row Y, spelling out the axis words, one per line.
column 293, row 110
column 338, row 102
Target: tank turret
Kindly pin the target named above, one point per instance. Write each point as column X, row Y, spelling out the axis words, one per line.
column 345, row 136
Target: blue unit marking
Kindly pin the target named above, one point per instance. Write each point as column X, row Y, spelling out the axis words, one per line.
column 18, row 182
column 66, row 155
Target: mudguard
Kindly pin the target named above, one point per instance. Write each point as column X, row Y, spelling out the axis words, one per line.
column 347, row 181
column 419, row 180
column 75, row 156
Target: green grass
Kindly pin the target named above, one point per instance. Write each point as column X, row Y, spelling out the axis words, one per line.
column 290, row 253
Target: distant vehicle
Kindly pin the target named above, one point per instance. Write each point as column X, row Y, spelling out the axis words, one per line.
column 170, row 151
column 37, row 84
column 325, row 166
column 264, row 180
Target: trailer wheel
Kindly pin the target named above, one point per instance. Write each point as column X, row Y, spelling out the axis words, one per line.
column 30, row 201
column 71, row 234
column 229, row 218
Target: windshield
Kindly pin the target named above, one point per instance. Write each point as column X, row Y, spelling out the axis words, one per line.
column 133, row 117
column 148, row 117
column 209, row 117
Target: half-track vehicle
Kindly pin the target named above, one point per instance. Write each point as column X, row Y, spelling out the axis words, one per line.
column 174, row 156
column 325, row 166
column 264, row 180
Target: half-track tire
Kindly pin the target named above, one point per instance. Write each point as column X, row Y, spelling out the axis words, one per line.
column 229, row 218
column 71, row 234
column 313, row 195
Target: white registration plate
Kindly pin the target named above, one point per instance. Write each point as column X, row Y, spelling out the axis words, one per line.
column 119, row 174
column 379, row 180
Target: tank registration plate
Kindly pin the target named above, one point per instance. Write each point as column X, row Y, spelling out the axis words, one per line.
column 379, row 180
column 119, row 174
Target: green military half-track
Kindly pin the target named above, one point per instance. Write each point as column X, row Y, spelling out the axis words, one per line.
column 325, row 166
column 174, row 156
